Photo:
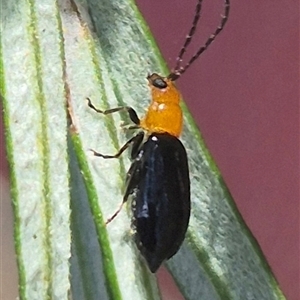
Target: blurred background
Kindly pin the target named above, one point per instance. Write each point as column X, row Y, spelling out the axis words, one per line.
column 244, row 95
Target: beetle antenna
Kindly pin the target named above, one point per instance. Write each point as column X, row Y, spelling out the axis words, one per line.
column 188, row 38
column 178, row 71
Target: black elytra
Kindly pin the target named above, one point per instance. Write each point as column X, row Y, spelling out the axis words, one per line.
column 158, row 180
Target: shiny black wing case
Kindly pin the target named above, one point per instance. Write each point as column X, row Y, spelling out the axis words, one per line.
column 158, row 180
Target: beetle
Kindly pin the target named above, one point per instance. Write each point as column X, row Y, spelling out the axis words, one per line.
column 158, row 178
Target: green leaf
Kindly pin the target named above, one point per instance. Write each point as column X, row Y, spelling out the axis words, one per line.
column 33, row 95
column 53, row 57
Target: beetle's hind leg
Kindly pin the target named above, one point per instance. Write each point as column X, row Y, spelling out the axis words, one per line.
column 125, row 146
column 129, row 190
column 115, row 214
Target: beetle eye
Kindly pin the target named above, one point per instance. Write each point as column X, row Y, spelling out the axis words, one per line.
column 159, row 83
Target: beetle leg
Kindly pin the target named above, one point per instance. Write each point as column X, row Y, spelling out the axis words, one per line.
column 132, row 113
column 136, row 140
column 126, row 127
column 125, row 146
column 116, row 213
column 132, row 176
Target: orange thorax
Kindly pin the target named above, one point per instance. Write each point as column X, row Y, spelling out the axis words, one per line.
column 164, row 113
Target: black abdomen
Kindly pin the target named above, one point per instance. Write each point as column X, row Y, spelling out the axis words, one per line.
column 159, row 181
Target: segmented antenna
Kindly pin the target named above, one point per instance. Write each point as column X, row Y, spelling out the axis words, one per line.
column 190, row 34
column 178, row 71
